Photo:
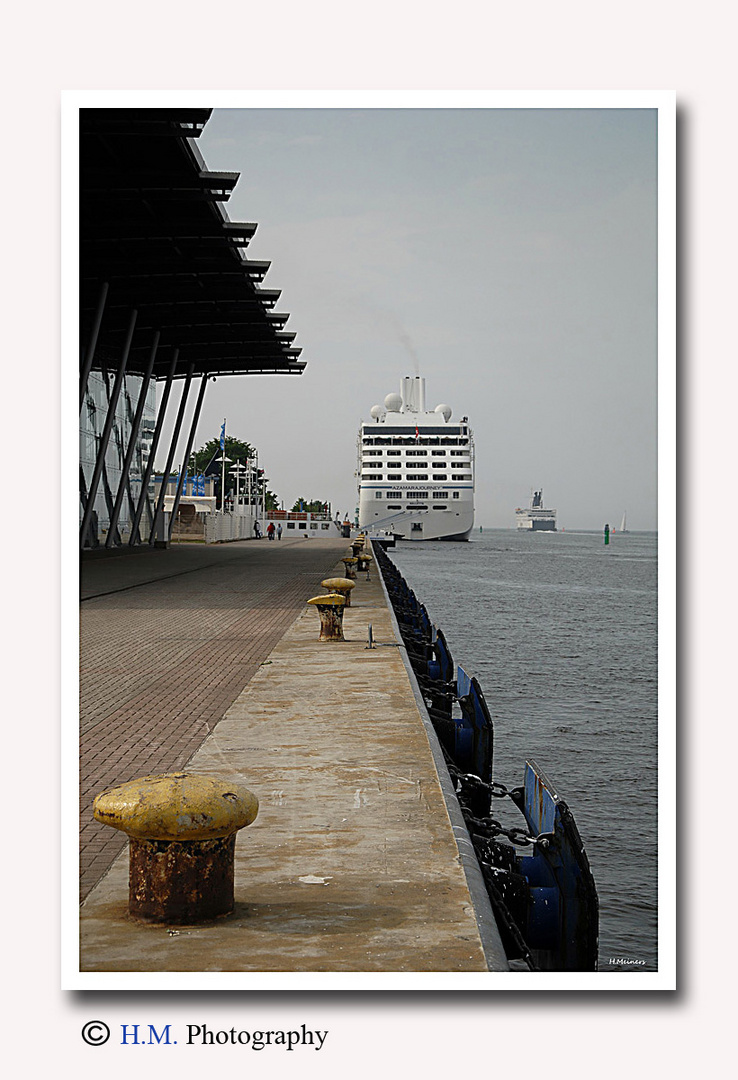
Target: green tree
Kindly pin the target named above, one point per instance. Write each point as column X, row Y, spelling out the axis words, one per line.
column 205, row 461
column 235, row 449
column 311, row 506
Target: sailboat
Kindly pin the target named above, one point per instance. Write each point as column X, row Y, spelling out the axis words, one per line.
column 623, row 527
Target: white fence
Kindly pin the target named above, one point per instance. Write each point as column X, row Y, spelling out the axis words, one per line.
column 222, row 527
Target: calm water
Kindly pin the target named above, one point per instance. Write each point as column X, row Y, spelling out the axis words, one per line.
column 561, row 633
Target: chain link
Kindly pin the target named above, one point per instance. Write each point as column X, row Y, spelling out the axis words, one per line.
column 489, row 873
column 495, row 789
column 490, row 828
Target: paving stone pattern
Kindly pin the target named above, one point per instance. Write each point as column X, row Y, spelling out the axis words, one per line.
column 169, row 639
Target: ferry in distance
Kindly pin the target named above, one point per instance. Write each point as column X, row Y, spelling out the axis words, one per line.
column 415, row 469
column 536, row 518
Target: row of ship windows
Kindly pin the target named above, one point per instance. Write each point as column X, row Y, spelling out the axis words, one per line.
column 417, row 453
column 417, row 464
column 417, row 476
column 410, row 440
column 416, row 495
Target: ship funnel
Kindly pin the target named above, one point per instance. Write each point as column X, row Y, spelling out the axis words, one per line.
column 413, row 394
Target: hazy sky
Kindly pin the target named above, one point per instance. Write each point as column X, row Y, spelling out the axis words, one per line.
column 508, row 255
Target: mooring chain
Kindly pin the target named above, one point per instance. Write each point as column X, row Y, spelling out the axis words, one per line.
column 489, row 872
column 495, row 789
column 490, row 828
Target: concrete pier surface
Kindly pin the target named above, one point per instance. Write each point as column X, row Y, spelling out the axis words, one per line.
column 352, row 864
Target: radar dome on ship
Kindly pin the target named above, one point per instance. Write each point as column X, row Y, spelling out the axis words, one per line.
column 376, row 412
column 444, row 410
column 393, row 403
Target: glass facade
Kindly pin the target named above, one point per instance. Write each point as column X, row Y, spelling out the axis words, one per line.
column 92, row 420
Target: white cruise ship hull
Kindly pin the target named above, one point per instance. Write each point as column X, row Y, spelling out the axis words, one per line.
column 420, row 525
column 536, row 524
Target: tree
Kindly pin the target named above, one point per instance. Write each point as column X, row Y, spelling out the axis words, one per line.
column 205, row 461
column 311, row 506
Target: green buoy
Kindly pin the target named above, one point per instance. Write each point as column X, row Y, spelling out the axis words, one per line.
column 607, row 534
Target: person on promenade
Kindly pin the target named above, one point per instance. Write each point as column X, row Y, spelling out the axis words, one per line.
column 279, row 532
column 270, row 530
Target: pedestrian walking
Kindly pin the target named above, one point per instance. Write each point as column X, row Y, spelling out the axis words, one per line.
column 279, row 532
column 270, row 530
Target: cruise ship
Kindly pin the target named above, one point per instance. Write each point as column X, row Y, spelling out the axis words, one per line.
column 415, row 469
column 536, row 518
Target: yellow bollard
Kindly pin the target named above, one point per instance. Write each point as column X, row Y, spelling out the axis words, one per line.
column 340, row 585
column 350, row 562
column 330, row 608
column 363, row 563
column 182, row 836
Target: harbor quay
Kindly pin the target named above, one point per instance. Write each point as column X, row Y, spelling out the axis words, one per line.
column 207, row 660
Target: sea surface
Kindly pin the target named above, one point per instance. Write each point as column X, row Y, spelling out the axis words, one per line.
column 560, row 631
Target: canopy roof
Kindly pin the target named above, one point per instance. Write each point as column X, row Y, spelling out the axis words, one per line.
column 154, row 228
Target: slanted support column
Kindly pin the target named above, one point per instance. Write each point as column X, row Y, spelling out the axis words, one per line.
column 133, row 539
column 92, row 344
column 107, row 428
column 124, row 484
column 188, row 451
column 170, row 457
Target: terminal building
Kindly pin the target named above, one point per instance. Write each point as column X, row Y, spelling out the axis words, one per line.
column 167, row 293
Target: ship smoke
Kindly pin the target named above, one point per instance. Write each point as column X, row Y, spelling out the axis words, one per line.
column 407, row 341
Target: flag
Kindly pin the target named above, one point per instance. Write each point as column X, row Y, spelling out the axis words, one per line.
column 222, row 437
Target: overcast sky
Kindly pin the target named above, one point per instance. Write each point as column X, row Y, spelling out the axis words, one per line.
column 507, row 255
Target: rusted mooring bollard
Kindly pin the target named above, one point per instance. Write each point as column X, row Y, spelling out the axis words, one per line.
column 340, row 585
column 182, row 832
column 363, row 561
column 350, row 562
column 330, row 608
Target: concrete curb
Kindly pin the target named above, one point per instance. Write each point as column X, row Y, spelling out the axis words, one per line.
column 486, row 922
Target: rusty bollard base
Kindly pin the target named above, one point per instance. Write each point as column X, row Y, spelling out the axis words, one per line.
column 330, row 608
column 350, row 563
column 340, row 585
column 182, row 831
column 181, row 883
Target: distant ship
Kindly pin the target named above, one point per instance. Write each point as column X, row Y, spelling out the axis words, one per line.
column 416, row 469
column 536, row 518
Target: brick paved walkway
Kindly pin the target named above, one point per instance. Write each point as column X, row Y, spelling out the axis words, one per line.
column 169, row 639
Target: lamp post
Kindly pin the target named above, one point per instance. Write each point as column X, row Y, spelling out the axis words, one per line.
column 238, row 468
column 222, row 459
